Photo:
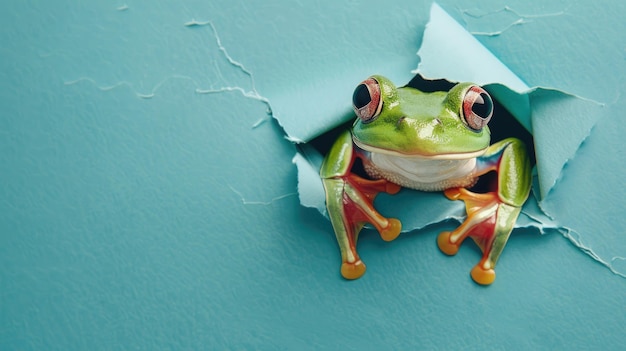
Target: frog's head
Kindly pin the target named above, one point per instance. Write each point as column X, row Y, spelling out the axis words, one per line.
column 407, row 122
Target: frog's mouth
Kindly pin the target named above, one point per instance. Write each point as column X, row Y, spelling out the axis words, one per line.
column 445, row 156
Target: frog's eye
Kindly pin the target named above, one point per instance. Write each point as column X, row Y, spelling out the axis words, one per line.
column 477, row 108
column 366, row 100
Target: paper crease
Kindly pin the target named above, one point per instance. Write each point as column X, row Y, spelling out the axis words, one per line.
column 251, row 93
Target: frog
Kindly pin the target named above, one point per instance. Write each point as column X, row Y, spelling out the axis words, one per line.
column 426, row 141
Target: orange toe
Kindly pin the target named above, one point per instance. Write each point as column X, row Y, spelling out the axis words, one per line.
column 392, row 230
column 483, row 276
column 452, row 193
column 392, row 188
column 447, row 247
column 353, row 270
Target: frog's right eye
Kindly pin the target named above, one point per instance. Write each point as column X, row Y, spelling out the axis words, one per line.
column 477, row 108
column 366, row 100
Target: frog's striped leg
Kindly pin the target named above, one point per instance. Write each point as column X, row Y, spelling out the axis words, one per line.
column 491, row 216
column 349, row 200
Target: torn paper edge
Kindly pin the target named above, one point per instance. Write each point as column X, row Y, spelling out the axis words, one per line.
column 487, row 70
column 495, row 72
column 252, row 93
column 562, row 172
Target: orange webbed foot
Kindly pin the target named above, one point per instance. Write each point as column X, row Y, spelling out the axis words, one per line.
column 489, row 223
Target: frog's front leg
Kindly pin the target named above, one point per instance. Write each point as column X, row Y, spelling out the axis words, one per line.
column 349, row 200
column 491, row 216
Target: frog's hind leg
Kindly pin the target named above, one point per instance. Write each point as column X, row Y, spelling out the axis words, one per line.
column 491, row 216
column 349, row 201
column 492, row 242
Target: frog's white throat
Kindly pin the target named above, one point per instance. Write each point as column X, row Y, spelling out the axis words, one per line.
column 423, row 173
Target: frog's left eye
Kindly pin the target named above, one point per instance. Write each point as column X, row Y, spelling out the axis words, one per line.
column 366, row 100
column 477, row 108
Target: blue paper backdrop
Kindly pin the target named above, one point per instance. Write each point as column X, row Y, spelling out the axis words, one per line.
column 143, row 206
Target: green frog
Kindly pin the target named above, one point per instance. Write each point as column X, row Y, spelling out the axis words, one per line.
column 428, row 141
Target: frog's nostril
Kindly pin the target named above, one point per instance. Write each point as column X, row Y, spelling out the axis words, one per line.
column 400, row 120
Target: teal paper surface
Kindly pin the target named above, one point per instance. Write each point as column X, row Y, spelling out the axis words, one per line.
column 148, row 201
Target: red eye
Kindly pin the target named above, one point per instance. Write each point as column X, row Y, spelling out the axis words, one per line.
column 477, row 108
column 366, row 100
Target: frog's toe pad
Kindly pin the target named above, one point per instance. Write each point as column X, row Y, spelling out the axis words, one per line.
column 353, row 270
column 445, row 245
column 453, row 193
column 483, row 276
column 393, row 229
column 392, row 188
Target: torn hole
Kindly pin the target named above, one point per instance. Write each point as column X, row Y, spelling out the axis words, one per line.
column 544, row 112
column 311, row 154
